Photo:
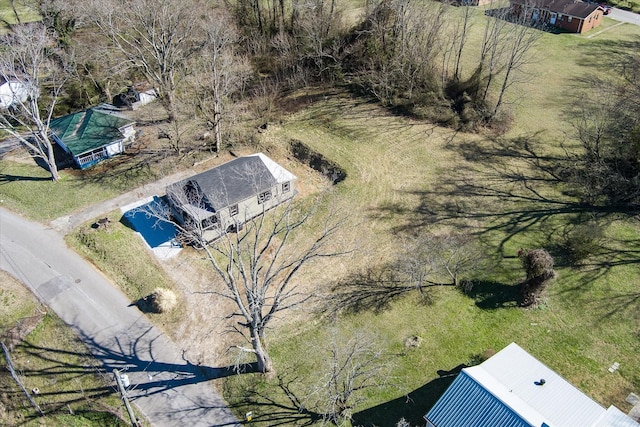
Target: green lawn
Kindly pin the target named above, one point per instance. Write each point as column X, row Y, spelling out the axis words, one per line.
column 27, row 188
column 112, row 250
column 8, row 17
column 406, row 177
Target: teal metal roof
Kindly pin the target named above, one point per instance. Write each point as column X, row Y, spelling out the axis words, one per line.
column 466, row 403
column 87, row 130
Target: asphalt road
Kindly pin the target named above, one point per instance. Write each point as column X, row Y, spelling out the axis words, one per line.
column 168, row 390
column 624, row 16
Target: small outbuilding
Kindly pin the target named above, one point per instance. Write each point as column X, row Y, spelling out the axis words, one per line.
column 12, row 91
column 92, row 136
column 222, row 199
column 514, row 389
column 135, row 96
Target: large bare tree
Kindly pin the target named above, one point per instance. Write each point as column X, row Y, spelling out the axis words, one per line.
column 154, row 37
column 35, row 66
column 258, row 265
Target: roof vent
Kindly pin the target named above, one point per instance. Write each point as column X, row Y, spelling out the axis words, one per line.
column 541, row 382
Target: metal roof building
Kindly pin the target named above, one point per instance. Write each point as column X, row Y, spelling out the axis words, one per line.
column 514, row 389
column 92, row 135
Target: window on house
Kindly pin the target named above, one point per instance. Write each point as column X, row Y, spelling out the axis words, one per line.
column 286, row 187
column 560, row 17
column 569, row 19
column 263, row 197
column 233, row 210
column 589, row 19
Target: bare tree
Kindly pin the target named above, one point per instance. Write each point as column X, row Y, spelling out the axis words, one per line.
column 492, row 47
column 316, row 24
column 396, row 53
column 443, row 259
column 220, row 73
column 353, row 365
column 459, row 39
column 155, row 38
column 505, row 51
column 257, row 264
column 35, row 68
column 607, row 123
column 521, row 38
column 424, row 262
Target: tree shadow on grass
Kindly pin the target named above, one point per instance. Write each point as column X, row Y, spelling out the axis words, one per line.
column 412, row 407
column 506, row 187
column 149, row 375
column 373, row 289
column 6, row 178
column 279, row 407
column 491, row 295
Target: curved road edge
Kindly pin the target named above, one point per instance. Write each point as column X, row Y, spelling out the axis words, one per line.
column 168, row 390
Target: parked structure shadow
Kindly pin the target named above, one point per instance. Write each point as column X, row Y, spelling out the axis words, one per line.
column 412, row 407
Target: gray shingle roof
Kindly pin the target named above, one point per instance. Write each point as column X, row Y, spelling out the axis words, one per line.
column 237, row 180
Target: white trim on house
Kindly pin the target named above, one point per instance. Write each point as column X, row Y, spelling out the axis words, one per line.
column 279, row 173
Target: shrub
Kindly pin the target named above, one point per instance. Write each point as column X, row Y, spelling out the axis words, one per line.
column 162, row 300
column 583, row 241
column 538, row 264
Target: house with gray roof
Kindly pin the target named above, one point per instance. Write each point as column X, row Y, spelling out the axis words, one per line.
column 514, row 389
column 92, row 136
column 221, row 199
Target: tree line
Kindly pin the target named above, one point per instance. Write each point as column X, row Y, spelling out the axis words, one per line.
column 207, row 57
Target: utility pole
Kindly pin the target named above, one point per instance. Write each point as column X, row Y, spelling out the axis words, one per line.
column 17, row 380
column 123, row 394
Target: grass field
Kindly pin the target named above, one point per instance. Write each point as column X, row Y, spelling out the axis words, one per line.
column 112, row 249
column 407, row 177
column 8, row 16
column 27, row 187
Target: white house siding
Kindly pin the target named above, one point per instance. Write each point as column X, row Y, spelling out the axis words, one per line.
column 12, row 92
column 248, row 209
column 128, row 132
column 145, row 98
column 115, row 148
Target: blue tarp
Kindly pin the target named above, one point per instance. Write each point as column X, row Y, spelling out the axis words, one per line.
column 155, row 231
